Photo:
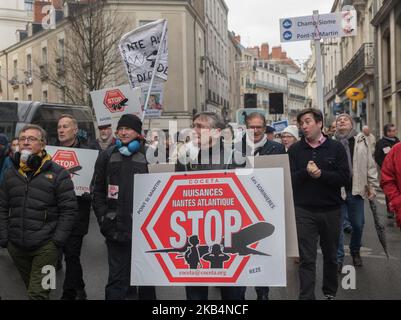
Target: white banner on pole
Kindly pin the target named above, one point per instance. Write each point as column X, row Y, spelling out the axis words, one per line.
column 209, row 228
column 110, row 104
column 80, row 163
column 141, row 55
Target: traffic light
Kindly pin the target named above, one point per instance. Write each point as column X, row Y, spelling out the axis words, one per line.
column 276, row 103
column 250, row 100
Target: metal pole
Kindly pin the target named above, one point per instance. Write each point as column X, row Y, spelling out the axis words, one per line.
column 155, row 69
column 319, row 69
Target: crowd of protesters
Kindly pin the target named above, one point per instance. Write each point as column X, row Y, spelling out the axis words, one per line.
column 333, row 171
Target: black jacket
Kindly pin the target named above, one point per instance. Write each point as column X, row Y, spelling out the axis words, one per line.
column 380, row 145
column 269, row 148
column 37, row 209
column 222, row 160
column 323, row 193
column 113, row 192
column 84, row 201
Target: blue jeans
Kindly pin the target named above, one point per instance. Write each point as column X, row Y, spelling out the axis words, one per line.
column 354, row 206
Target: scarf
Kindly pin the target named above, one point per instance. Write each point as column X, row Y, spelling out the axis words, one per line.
column 343, row 139
column 390, row 139
column 256, row 146
column 24, row 169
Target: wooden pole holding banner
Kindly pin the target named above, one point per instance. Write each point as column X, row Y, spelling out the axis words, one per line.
column 154, row 71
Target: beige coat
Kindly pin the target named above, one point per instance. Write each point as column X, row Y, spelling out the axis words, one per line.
column 364, row 168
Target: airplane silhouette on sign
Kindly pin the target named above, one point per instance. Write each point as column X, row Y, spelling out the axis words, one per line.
column 239, row 241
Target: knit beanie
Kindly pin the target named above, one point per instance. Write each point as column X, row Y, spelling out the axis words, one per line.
column 130, row 121
column 348, row 116
column 292, row 130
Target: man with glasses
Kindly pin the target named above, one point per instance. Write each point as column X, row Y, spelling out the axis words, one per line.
column 256, row 143
column 206, row 151
column 37, row 210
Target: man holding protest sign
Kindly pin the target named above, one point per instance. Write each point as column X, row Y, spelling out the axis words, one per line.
column 210, row 155
column 113, row 200
column 74, row 285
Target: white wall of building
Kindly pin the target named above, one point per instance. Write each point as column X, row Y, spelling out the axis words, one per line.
column 13, row 17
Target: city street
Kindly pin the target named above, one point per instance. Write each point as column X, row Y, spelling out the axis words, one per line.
column 378, row 279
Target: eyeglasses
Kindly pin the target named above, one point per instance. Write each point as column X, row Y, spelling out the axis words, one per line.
column 256, row 127
column 29, row 139
column 200, row 126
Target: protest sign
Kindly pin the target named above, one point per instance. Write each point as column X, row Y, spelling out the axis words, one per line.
column 209, row 228
column 80, row 163
column 279, row 126
column 155, row 103
column 110, row 104
column 144, row 50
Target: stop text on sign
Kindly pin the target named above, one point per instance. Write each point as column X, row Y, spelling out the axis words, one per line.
column 212, row 220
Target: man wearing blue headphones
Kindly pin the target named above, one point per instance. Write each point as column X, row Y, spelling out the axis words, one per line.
column 113, row 203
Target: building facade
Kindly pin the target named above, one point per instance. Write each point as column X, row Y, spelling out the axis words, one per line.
column 184, row 92
column 387, row 23
column 14, row 15
column 234, row 75
column 216, row 58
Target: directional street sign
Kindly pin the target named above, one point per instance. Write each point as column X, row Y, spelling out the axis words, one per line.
column 331, row 25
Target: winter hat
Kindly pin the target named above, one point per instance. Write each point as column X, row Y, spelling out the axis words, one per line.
column 3, row 140
column 292, row 130
column 130, row 121
column 270, row 129
column 348, row 116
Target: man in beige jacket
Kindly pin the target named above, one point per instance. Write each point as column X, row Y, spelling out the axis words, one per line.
column 363, row 184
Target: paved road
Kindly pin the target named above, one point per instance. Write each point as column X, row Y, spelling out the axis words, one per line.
column 379, row 278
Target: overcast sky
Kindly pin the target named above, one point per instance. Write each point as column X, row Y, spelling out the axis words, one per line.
column 257, row 21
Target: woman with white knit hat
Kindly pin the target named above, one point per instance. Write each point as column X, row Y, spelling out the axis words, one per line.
column 289, row 136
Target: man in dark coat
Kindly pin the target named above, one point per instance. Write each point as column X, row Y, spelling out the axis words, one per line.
column 113, row 204
column 384, row 145
column 382, row 149
column 37, row 210
column 74, row 285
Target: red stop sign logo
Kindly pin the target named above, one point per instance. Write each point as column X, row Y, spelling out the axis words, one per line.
column 114, row 100
column 66, row 159
column 197, row 226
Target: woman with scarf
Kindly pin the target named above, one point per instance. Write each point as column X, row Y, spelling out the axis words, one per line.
column 361, row 186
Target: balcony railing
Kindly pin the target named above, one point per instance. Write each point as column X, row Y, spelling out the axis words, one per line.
column 271, row 86
column 361, row 63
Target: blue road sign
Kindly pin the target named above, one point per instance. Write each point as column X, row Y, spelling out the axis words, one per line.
column 287, row 35
column 287, row 23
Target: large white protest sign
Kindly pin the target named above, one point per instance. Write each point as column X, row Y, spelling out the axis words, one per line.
column 140, row 52
column 209, row 228
column 110, row 104
column 80, row 163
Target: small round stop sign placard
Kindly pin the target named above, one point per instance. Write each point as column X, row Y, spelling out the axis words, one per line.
column 112, row 100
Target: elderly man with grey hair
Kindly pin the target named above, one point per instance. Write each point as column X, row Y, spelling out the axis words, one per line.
column 370, row 138
column 362, row 185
